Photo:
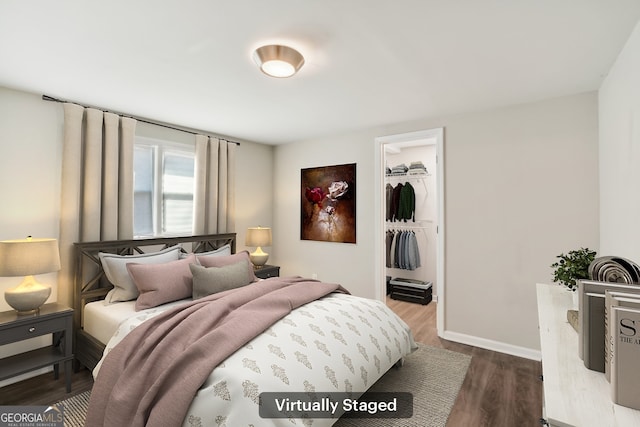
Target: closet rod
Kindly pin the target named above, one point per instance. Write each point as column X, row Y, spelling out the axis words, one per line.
column 407, row 227
column 140, row 119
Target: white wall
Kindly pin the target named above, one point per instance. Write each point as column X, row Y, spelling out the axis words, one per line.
column 619, row 109
column 30, row 168
column 521, row 187
column 332, row 262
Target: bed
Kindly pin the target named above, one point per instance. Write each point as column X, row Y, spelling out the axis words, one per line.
column 330, row 342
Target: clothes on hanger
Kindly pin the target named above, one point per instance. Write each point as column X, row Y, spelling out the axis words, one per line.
column 389, row 202
column 402, row 245
column 407, row 203
column 402, row 250
column 401, row 202
column 395, row 201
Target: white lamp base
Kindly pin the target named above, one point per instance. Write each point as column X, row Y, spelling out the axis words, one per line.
column 28, row 295
column 258, row 257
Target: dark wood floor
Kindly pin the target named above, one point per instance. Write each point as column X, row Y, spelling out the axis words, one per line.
column 44, row 389
column 499, row 390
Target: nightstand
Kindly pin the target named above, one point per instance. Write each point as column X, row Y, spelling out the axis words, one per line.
column 53, row 319
column 267, row 271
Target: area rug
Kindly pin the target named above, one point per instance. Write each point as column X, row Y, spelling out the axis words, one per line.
column 433, row 375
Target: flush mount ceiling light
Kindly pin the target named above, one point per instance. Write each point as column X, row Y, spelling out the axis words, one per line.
column 278, row 61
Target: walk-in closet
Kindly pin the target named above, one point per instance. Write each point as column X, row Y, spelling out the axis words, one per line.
column 411, row 220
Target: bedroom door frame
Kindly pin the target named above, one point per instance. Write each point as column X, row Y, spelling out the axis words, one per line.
column 436, row 135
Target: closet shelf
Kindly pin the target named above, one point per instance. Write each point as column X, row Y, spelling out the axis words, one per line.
column 409, row 176
column 401, row 225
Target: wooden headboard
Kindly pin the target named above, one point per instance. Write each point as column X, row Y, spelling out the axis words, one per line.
column 91, row 284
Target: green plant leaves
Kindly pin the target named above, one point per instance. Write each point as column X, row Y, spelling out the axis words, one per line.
column 573, row 266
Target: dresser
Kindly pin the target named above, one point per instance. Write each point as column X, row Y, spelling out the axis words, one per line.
column 573, row 395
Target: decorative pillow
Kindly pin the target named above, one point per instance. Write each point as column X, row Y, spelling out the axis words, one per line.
column 115, row 268
column 221, row 261
column 221, row 251
column 162, row 283
column 211, row 280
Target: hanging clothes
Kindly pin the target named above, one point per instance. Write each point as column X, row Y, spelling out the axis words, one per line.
column 402, row 250
column 395, row 201
column 388, row 242
column 389, row 202
column 401, row 202
column 407, row 203
column 412, row 252
column 393, row 251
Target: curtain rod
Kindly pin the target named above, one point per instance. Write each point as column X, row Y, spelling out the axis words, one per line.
column 140, row 119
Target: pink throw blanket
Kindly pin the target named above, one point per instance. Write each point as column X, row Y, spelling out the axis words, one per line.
column 151, row 377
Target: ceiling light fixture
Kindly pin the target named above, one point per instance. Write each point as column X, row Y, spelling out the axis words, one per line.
column 278, row 61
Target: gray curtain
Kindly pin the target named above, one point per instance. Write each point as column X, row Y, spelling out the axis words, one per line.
column 97, row 184
column 214, row 194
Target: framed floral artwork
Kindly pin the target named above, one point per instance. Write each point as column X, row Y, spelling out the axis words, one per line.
column 328, row 203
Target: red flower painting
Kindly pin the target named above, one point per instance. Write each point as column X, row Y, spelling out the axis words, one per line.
column 315, row 195
column 328, row 204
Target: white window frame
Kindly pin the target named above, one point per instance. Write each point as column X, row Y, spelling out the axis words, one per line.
column 161, row 147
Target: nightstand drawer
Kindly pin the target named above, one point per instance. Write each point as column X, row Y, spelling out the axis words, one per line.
column 32, row 329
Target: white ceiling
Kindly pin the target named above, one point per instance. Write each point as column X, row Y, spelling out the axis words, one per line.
column 368, row 62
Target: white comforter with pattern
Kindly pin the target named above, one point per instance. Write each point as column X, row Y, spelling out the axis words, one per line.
column 339, row 343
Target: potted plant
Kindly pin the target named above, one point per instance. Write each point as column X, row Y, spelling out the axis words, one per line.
column 573, row 266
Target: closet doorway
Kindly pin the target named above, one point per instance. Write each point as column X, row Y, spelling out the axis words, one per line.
column 415, row 160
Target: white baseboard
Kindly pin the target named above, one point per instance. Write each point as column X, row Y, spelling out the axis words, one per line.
column 498, row 346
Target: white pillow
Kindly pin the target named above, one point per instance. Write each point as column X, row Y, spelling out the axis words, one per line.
column 221, row 251
column 115, row 268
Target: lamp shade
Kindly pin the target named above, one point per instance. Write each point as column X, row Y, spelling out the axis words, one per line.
column 29, row 257
column 258, row 236
column 277, row 60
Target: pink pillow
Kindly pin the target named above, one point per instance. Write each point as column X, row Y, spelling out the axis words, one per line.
column 162, row 283
column 221, row 261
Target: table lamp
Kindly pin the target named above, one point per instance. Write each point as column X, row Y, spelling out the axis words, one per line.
column 258, row 237
column 28, row 257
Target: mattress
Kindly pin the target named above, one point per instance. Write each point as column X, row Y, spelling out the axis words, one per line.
column 101, row 320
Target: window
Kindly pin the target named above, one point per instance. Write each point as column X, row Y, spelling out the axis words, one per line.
column 163, row 188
